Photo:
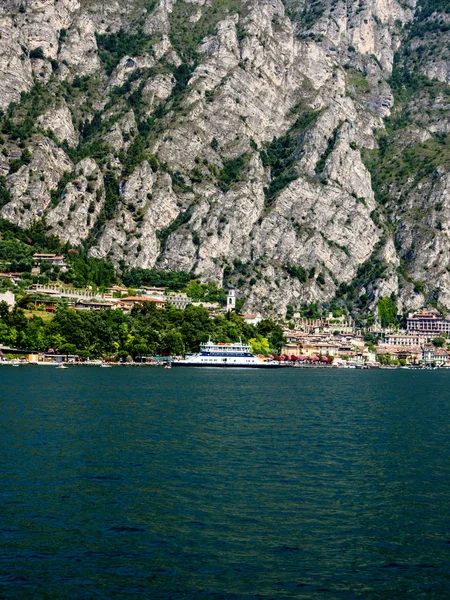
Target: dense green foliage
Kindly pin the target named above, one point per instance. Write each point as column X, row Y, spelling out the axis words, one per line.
column 206, row 292
column 146, row 331
column 387, row 311
column 173, row 280
column 232, row 171
column 282, row 153
column 423, row 24
column 17, row 247
column 112, row 199
column 85, row 270
column 298, row 272
column 114, row 46
column 312, row 311
column 37, row 53
column 320, row 166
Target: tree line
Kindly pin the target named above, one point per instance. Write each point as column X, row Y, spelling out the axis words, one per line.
column 145, row 331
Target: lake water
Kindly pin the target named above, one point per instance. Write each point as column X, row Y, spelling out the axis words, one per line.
column 209, row 484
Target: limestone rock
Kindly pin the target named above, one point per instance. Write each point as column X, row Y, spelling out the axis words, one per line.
column 273, row 155
column 59, row 120
column 83, row 199
column 15, row 66
column 30, row 187
column 79, row 49
column 147, row 206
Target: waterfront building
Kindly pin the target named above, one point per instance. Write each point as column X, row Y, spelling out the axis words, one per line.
column 316, row 344
column 429, row 323
column 412, row 355
column 404, row 339
column 292, row 349
column 434, row 356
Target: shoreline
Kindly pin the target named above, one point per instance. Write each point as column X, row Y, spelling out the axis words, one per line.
column 164, row 365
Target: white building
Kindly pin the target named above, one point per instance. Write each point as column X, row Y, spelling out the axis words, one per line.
column 252, row 318
column 179, row 299
column 405, row 339
column 9, row 298
column 157, row 292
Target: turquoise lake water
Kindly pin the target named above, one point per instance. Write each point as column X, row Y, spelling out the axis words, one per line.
column 205, row 484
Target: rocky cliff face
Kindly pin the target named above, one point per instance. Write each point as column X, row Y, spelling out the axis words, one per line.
column 297, row 149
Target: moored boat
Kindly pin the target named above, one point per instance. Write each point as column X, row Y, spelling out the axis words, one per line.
column 236, row 356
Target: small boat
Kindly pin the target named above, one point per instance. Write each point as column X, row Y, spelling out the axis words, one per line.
column 167, row 366
column 105, row 365
column 62, row 366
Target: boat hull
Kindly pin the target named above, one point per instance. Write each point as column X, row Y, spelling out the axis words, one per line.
column 226, row 365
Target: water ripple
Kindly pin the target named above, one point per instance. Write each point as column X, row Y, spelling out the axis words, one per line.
column 233, row 486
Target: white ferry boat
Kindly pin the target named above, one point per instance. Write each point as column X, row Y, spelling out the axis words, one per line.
column 226, row 355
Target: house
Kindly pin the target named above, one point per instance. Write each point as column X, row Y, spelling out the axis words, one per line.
column 252, row 318
column 118, row 290
column 131, row 301
column 14, row 277
column 94, row 306
column 178, row 299
column 293, row 335
column 54, row 259
column 321, row 348
column 48, row 304
column 434, row 356
column 9, row 298
column 404, row 339
column 292, row 349
column 410, row 354
column 153, row 291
